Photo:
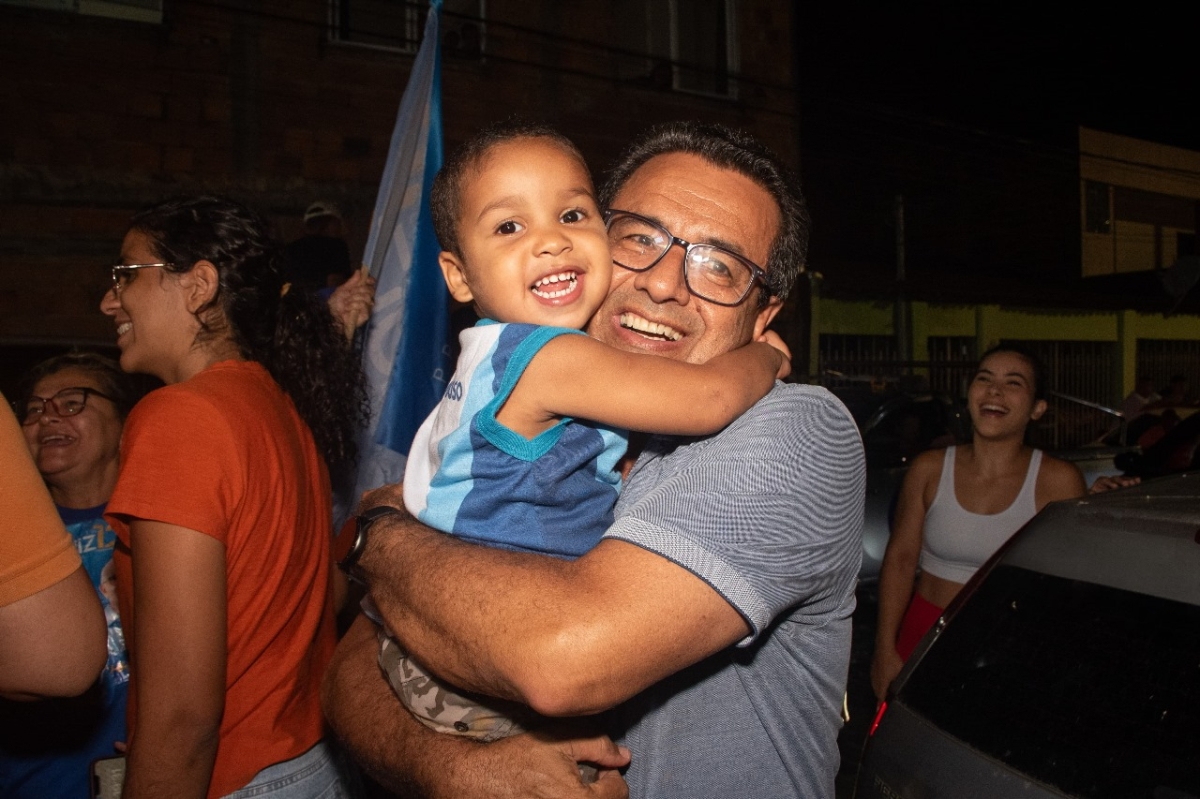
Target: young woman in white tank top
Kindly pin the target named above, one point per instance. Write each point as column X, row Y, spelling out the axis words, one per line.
column 957, row 506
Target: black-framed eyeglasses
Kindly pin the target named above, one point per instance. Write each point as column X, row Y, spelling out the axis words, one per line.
column 711, row 273
column 66, row 402
column 121, row 273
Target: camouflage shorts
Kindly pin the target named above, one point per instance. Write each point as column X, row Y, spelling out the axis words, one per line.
column 440, row 707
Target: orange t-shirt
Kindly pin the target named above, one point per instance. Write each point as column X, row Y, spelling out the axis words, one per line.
column 226, row 454
column 35, row 549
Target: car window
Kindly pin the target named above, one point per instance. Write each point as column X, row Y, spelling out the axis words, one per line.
column 1091, row 689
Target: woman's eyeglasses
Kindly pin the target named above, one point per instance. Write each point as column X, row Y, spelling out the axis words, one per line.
column 67, row 402
column 121, row 273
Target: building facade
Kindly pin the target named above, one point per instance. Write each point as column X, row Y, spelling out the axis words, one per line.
column 936, row 242
column 113, row 105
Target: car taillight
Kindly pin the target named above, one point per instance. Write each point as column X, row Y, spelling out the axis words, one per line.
column 878, row 718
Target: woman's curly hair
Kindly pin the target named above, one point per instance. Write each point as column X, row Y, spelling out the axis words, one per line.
column 290, row 332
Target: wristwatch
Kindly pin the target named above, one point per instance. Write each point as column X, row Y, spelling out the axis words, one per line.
column 362, row 526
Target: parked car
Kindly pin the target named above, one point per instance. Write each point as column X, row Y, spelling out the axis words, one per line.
column 1068, row 667
column 895, row 429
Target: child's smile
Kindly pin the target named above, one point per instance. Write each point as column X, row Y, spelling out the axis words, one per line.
column 556, row 286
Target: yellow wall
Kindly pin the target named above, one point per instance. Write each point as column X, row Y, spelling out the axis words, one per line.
column 989, row 324
column 855, row 318
column 991, row 321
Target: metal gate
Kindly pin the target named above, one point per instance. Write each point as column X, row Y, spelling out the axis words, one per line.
column 1162, row 359
column 852, row 359
column 1083, row 370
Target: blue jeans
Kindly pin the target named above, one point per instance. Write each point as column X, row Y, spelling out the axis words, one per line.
column 319, row 773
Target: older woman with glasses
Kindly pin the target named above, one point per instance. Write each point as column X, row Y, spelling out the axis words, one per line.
column 71, row 410
column 222, row 506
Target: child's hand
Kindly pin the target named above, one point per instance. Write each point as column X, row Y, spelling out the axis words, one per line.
column 772, row 338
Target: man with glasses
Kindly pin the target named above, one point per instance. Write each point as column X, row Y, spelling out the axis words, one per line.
column 712, row 623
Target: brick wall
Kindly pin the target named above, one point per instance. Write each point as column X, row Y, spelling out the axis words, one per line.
column 249, row 98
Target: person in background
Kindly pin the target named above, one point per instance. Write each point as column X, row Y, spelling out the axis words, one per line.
column 959, row 504
column 222, row 506
column 1174, row 395
column 319, row 260
column 1135, row 420
column 51, row 625
column 71, row 410
column 1142, row 395
column 351, row 302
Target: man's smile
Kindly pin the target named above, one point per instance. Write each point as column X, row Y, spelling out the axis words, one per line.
column 639, row 324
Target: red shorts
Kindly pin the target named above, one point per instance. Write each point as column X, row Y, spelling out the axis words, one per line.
column 920, row 616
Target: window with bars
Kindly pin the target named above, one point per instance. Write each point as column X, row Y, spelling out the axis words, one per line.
column 684, row 45
column 1132, row 230
column 391, row 25
column 1163, row 359
column 134, row 10
column 952, row 362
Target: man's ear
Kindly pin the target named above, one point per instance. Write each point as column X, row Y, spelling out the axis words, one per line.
column 456, row 276
column 1039, row 408
column 202, row 282
column 765, row 315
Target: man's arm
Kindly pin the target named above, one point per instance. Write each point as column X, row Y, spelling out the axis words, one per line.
column 413, row 761
column 569, row 638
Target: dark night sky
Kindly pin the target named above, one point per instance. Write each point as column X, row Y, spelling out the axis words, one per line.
column 1030, row 72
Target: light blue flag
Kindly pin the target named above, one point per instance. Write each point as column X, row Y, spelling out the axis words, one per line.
column 405, row 356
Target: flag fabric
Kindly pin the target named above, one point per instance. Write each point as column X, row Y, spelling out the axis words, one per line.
column 405, row 356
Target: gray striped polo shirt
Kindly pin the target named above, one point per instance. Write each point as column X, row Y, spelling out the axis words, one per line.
column 769, row 513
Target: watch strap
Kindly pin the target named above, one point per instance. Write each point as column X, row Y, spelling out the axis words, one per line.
column 363, row 523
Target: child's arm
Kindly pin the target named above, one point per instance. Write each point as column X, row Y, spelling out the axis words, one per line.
column 580, row 377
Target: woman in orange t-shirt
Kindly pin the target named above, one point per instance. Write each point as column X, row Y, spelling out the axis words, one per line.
column 222, row 508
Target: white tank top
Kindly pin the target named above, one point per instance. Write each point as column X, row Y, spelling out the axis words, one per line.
column 956, row 542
